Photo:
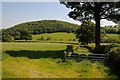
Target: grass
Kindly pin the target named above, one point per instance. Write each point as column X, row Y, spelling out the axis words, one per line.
column 114, row 36
column 111, row 38
column 41, row 60
column 59, row 36
column 70, row 38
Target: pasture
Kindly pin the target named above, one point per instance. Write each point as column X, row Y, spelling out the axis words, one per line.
column 59, row 36
column 71, row 37
column 44, row 60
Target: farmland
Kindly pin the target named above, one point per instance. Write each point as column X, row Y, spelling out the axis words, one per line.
column 44, row 60
column 26, row 66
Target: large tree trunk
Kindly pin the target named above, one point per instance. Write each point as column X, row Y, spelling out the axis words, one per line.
column 97, row 28
column 97, row 32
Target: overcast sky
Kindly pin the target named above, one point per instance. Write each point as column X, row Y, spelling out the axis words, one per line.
column 18, row 12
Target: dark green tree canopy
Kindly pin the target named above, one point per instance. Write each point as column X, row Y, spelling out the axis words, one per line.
column 87, row 10
column 93, row 11
column 43, row 26
column 86, row 32
column 25, row 34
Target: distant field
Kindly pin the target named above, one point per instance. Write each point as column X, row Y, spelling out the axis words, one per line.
column 43, row 60
column 111, row 38
column 70, row 37
column 59, row 36
column 115, row 36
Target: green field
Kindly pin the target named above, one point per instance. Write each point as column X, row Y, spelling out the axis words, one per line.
column 70, row 37
column 111, row 38
column 115, row 36
column 43, row 60
column 55, row 37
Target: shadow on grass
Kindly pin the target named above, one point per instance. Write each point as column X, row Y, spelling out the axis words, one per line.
column 91, row 49
column 36, row 54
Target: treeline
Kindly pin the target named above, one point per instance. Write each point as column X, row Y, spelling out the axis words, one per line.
column 25, row 31
column 43, row 26
column 112, row 30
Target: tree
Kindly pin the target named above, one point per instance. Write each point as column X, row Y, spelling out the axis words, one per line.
column 93, row 11
column 25, row 34
column 86, row 32
column 114, row 59
column 7, row 38
column 16, row 35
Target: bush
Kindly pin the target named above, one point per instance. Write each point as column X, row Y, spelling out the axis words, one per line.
column 74, row 39
column 69, row 31
column 114, row 59
column 86, row 32
column 7, row 38
column 49, row 38
column 103, row 49
column 42, row 38
column 61, row 39
column 0, row 38
column 69, row 48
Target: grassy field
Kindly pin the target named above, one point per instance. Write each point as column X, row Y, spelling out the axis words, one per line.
column 70, row 37
column 59, row 36
column 111, row 38
column 44, row 60
column 114, row 36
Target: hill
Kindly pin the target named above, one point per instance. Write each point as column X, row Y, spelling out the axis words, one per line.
column 43, row 26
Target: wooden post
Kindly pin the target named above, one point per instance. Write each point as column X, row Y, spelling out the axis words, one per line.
column 65, row 54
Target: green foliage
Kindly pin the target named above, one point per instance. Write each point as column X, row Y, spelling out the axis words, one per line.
column 49, row 38
column 16, row 35
column 114, row 59
column 69, row 48
column 103, row 49
column 86, row 32
column 103, row 32
column 88, row 10
column 93, row 11
column 43, row 26
column 7, row 38
column 41, row 38
column 25, row 34
column 112, row 30
column 111, row 38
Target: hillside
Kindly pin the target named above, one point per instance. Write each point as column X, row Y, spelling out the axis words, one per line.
column 43, row 26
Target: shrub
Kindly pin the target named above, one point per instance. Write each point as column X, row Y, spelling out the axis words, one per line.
column 69, row 31
column 69, row 48
column 42, row 38
column 74, row 39
column 61, row 39
column 7, row 38
column 103, row 49
column 49, row 38
column 86, row 32
column 114, row 59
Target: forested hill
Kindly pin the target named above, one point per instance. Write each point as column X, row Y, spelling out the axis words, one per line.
column 43, row 26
